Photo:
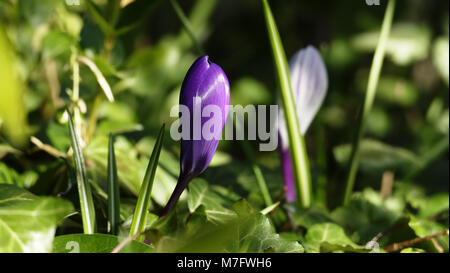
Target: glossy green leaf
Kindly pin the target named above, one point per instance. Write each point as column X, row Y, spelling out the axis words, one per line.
column 248, row 231
column 144, row 198
column 201, row 194
column 95, row 243
column 328, row 237
column 255, row 233
column 28, row 222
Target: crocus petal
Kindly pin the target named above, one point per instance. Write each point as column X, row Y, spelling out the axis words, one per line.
column 309, row 82
column 208, row 84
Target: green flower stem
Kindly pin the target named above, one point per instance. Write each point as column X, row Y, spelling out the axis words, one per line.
column 297, row 147
column 258, row 173
column 370, row 96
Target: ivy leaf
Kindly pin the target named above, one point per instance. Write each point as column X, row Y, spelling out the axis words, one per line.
column 255, row 233
column 28, row 222
column 376, row 155
column 426, row 227
column 95, row 243
column 367, row 214
column 328, row 237
column 433, row 205
column 306, row 217
column 249, row 232
column 200, row 194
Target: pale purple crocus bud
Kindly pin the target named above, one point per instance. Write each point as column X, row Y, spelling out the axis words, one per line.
column 205, row 93
column 309, row 82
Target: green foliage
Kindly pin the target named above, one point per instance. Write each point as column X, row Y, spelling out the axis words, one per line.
column 201, row 195
column 376, row 156
column 12, row 110
column 329, row 237
column 407, row 43
column 10, row 176
column 143, row 202
column 28, row 222
column 247, row 231
column 54, row 57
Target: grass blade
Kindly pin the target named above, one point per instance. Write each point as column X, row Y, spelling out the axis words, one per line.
column 113, row 190
column 84, row 189
column 374, row 76
column 186, row 25
column 297, row 147
column 141, row 210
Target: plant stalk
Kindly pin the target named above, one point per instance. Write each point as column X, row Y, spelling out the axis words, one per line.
column 372, row 85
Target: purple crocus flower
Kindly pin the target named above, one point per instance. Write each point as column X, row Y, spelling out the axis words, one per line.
column 205, row 87
column 309, row 82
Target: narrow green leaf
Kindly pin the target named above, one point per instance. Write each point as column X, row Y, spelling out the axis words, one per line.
column 84, row 189
column 186, row 25
column 256, row 170
column 143, row 203
column 113, row 190
column 297, row 145
column 370, row 96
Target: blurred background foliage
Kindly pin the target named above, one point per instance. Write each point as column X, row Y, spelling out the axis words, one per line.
column 143, row 51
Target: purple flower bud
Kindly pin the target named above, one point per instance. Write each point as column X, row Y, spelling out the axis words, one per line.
column 205, row 87
column 309, row 82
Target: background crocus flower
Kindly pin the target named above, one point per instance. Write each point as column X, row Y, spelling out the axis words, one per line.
column 205, row 83
column 309, row 82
